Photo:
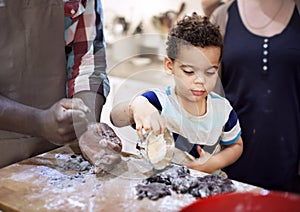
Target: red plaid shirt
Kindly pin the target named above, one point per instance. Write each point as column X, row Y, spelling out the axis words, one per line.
column 85, row 47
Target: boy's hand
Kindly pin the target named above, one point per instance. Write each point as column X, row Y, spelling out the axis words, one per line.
column 146, row 117
column 202, row 163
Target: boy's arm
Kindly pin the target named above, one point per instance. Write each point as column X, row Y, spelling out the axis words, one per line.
column 227, row 156
column 139, row 112
column 126, row 113
column 120, row 115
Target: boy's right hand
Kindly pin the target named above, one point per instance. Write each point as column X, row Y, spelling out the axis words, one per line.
column 146, row 117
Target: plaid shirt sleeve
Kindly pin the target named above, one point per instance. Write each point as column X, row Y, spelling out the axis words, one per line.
column 85, row 47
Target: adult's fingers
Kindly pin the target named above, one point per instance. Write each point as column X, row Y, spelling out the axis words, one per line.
column 63, row 114
column 65, row 138
column 114, row 147
column 76, row 104
column 72, row 121
column 111, row 159
column 79, row 105
column 78, row 116
column 70, row 116
column 106, row 130
column 80, row 128
column 71, row 131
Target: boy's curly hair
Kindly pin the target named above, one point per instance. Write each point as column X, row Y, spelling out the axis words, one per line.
column 194, row 30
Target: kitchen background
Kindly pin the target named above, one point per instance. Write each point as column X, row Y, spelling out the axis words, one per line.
column 135, row 33
column 135, row 12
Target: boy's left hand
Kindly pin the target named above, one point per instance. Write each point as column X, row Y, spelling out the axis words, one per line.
column 203, row 163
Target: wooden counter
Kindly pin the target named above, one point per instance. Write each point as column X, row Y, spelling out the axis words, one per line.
column 45, row 183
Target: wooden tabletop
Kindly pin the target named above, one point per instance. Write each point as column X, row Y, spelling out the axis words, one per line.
column 47, row 183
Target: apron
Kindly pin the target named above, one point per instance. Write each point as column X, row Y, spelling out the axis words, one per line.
column 32, row 66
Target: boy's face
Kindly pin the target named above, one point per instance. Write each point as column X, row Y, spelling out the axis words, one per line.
column 195, row 72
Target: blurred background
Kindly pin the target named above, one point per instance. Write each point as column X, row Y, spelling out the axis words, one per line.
column 127, row 17
column 136, row 28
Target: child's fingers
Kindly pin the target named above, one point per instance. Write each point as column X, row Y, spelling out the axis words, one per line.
column 200, row 151
column 139, row 127
column 142, row 129
column 156, row 127
column 204, row 156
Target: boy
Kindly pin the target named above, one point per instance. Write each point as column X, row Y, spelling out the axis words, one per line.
column 196, row 116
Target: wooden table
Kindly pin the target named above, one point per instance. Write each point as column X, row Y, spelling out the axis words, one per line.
column 43, row 183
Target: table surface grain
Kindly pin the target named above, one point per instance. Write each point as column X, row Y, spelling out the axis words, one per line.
column 42, row 183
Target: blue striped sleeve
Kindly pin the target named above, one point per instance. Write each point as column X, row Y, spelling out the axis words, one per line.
column 232, row 130
column 152, row 98
column 231, row 122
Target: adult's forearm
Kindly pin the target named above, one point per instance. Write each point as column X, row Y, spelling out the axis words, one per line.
column 94, row 101
column 17, row 117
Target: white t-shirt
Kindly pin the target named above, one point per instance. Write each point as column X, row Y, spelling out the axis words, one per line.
column 219, row 125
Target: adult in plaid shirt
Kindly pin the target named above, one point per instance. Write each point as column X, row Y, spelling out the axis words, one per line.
column 53, row 80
